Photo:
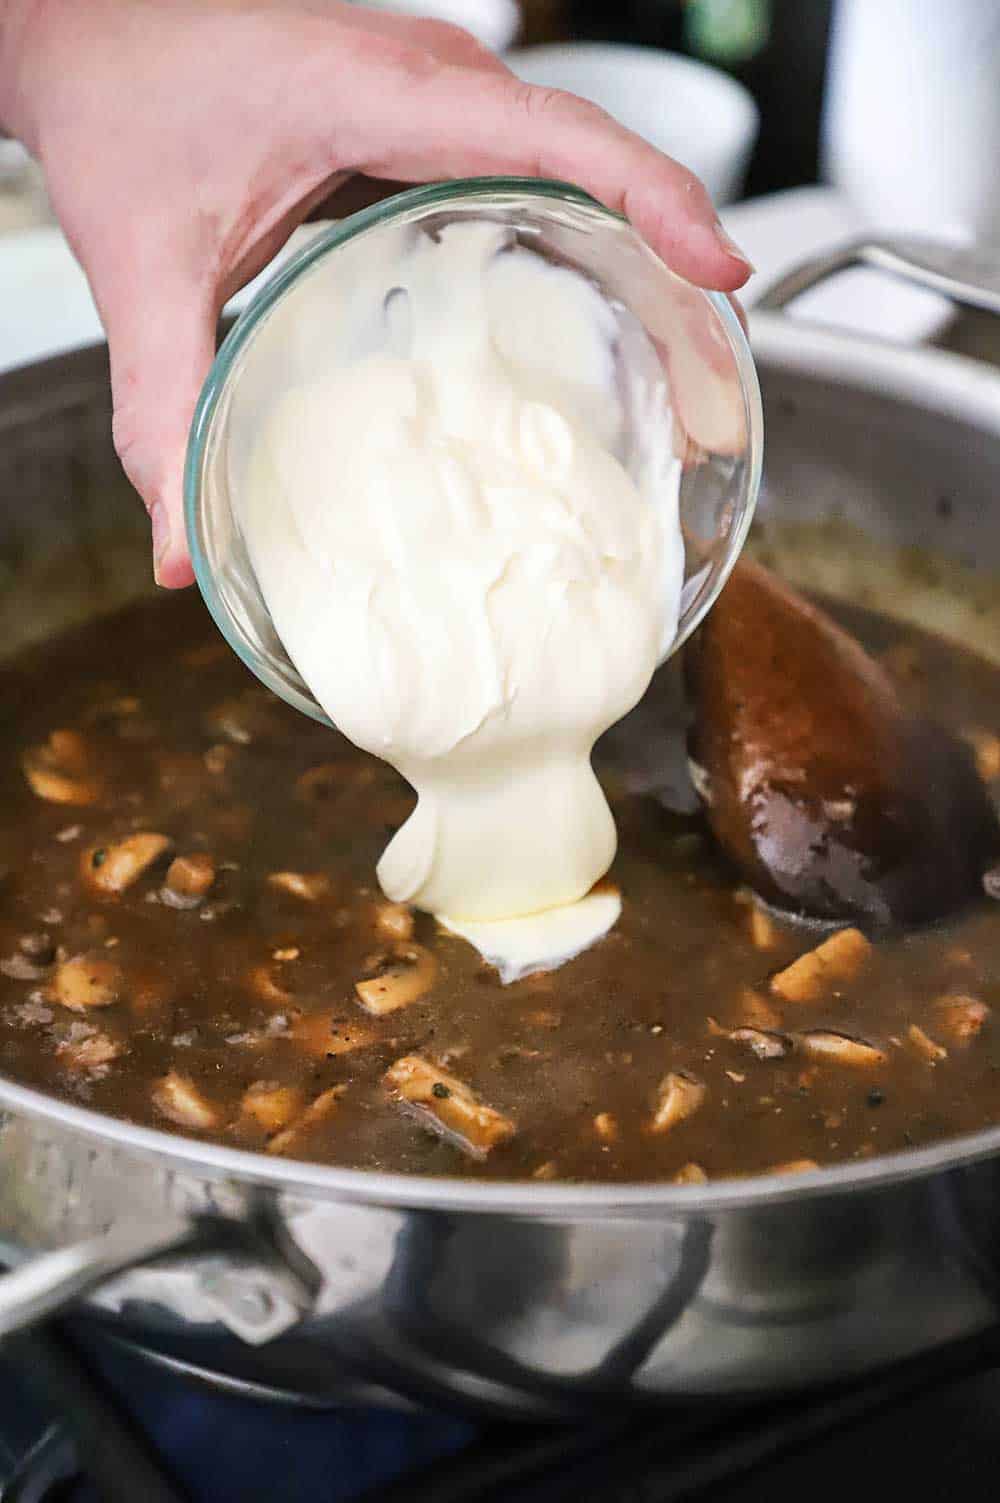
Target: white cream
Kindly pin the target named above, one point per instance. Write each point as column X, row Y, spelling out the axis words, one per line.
column 541, row 941
column 468, row 577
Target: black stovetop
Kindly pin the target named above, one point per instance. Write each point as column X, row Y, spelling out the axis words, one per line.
column 927, row 1431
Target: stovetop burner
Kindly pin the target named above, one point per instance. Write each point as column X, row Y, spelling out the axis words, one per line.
column 104, row 1428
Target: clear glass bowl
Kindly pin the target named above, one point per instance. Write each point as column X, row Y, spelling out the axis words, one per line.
column 694, row 338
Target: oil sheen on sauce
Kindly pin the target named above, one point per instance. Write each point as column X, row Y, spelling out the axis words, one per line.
column 473, row 576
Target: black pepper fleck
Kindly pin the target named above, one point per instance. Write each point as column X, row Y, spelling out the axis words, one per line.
column 99, row 857
column 440, row 1090
column 876, row 1097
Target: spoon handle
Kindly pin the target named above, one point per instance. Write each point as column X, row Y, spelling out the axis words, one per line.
column 967, row 274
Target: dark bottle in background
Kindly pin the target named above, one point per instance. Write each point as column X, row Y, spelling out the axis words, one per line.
column 776, row 48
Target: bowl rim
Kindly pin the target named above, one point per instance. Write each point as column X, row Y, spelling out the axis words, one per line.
column 432, row 195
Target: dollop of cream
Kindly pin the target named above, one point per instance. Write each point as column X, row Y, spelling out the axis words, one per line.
column 474, row 571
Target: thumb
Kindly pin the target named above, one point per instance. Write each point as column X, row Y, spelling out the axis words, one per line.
column 161, row 336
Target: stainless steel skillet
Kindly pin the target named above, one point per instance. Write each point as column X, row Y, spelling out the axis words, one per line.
column 316, row 1283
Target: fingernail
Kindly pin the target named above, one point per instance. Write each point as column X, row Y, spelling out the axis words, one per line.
column 161, row 536
column 731, row 248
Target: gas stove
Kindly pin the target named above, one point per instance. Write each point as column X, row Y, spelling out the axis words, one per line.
column 85, row 1422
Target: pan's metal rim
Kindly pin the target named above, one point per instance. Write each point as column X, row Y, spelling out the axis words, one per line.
column 524, row 1199
column 939, row 380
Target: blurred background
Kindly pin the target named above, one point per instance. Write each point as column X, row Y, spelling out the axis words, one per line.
column 810, row 121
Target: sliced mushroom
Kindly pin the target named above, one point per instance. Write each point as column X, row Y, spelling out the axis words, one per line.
column 309, row 886
column 61, row 770
column 263, row 982
column 319, row 1110
column 218, row 758
column 326, row 1037
column 403, row 976
column 986, row 750
column 91, row 1055
column 447, row 1106
column 691, row 1174
column 177, row 1098
column 188, row 879
column 39, row 948
column 85, row 981
column 961, row 1017
column 20, row 968
column 269, row 1105
column 394, row 921
column 764, row 932
column 837, row 959
column 678, row 1097
column 839, row 1048
column 606, row 1127
column 925, row 1045
column 762, row 1043
column 112, row 869
column 242, row 719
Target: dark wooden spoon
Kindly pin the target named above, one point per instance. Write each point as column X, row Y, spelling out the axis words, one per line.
column 831, row 797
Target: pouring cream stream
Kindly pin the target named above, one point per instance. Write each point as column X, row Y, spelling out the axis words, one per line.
column 470, row 580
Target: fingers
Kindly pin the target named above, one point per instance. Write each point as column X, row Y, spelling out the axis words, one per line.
column 161, row 334
column 460, row 121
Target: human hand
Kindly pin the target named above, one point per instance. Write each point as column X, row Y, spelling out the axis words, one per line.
column 183, row 144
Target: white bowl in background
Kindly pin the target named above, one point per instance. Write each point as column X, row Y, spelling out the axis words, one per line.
column 494, row 23
column 694, row 113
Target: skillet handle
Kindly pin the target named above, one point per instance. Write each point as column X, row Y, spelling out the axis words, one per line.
column 250, row 1275
column 967, row 274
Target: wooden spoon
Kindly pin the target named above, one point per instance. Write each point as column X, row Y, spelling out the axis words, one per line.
column 829, row 795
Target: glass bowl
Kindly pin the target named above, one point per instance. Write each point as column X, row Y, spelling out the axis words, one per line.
column 693, row 340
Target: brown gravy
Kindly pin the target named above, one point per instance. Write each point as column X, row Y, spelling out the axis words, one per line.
column 229, row 1010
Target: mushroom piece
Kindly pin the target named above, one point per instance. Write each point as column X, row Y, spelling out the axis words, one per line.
column 112, row 869
column 961, row 1017
column 394, row 921
column 401, row 977
column 177, row 1098
column 924, row 1045
column 86, row 981
column 326, row 1037
column 691, row 1174
column 32, row 960
column 269, row 1105
column 91, row 1055
column 188, row 879
column 242, row 719
column 678, row 1097
column 61, row 770
column 986, row 750
column 837, row 959
column 262, row 982
column 764, row 932
column 762, row 1043
column 839, row 1048
column 826, row 792
column 309, row 886
column 319, row 1110
column 447, row 1106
